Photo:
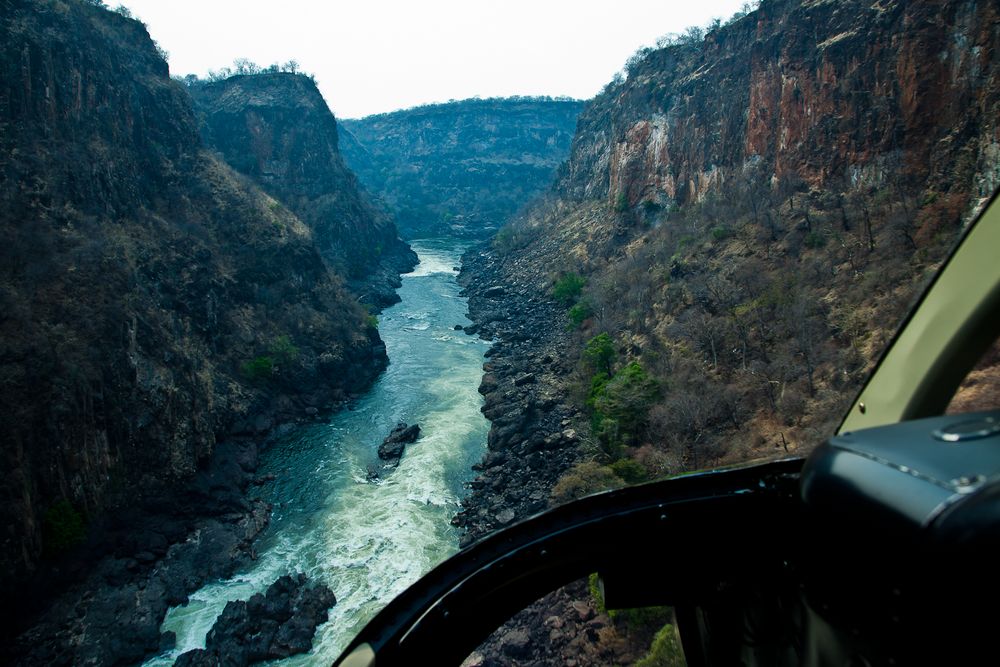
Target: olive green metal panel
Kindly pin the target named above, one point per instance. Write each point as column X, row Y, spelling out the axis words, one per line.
column 956, row 320
column 362, row 656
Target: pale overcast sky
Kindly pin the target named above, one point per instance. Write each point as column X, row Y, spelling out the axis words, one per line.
column 371, row 56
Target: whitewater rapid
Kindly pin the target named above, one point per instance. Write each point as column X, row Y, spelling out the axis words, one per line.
column 369, row 540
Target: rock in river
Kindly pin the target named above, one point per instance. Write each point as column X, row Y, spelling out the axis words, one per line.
column 391, row 449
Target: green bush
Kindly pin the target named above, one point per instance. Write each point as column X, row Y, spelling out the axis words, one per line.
column 665, row 651
column 568, row 288
column 63, row 527
column 372, row 322
column 579, row 313
column 593, row 584
column 599, row 353
column 722, row 233
column 643, row 617
column 630, row 470
column 583, row 479
column 621, row 203
column 283, row 350
column 258, row 369
column 503, row 238
column 620, row 406
column 814, row 240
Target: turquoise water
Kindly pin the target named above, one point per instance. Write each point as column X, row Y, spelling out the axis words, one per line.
column 369, row 541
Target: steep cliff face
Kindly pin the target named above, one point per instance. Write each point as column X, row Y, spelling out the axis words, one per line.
column 741, row 225
column 743, row 221
column 277, row 129
column 152, row 300
column 753, row 212
column 461, row 167
column 818, row 91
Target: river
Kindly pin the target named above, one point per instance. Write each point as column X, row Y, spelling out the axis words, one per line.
column 369, row 541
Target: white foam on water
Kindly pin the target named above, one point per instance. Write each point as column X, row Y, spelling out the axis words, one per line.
column 368, row 540
column 431, row 263
column 422, row 326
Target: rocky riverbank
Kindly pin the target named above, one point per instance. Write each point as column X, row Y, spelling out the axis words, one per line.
column 532, row 440
column 103, row 602
column 144, row 560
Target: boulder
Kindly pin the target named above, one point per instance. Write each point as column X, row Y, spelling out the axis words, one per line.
column 268, row 626
column 522, row 380
column 391, row 449
column 516, row 643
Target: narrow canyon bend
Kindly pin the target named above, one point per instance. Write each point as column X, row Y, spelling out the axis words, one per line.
column 209, row 324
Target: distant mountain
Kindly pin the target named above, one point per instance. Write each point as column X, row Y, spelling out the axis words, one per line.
column 153, row 300
column 276, row 129
column 463, row 167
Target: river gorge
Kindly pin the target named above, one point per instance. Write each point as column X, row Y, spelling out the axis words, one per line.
column 369, row 539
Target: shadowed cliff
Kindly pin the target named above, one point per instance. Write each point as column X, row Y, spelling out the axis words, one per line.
column 276, row 129
column 153, row 300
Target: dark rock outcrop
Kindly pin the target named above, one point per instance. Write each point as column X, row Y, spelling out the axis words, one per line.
column 141, row 561
column 268, row 626
column 461, row 168
column 532, row 439
column 277, row 129
column 391, row 449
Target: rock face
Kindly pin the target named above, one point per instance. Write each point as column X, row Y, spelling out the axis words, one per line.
column 142, row 560
column 277, row 129
column 268, row 626
column 460, row 168
column 152, row 299
column 816, row 90
column 391, row 449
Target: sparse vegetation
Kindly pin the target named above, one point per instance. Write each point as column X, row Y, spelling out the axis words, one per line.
column 568, row 288
column 621, row 203
column 584, row 479
column 665, row 651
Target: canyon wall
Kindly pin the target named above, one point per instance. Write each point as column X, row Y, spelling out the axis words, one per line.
column 460, row 168
column 816, row 90
column 276, row 129
column 153, row 300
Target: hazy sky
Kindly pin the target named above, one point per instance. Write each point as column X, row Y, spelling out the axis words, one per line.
column 371, row 56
